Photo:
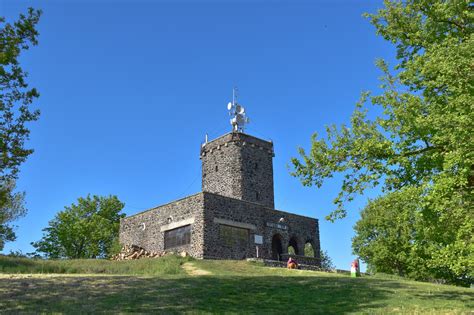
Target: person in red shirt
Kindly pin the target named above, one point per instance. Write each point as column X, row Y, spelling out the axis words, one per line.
column 292, row 264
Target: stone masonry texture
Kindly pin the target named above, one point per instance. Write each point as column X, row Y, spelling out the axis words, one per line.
column 144, row 229
column 237, row 184
column 239, row 166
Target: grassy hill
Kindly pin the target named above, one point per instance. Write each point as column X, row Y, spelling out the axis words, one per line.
column 182, row 285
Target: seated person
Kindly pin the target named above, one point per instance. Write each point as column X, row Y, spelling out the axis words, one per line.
column 292, row 264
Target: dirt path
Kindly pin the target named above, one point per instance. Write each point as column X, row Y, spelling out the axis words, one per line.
column 193, row 270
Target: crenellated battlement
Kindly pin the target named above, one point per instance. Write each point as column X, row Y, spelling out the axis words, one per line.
column 239, row 139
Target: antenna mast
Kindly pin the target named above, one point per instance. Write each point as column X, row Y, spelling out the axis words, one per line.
column 234, row 96
column 237, row 112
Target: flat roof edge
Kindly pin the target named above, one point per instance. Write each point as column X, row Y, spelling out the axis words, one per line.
column 165, row 204
column 221, row 196
column 259, row 204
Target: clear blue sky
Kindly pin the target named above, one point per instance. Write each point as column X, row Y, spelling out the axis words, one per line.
column 129, row 89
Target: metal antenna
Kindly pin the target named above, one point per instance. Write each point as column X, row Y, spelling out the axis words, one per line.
column 237, row 112
column 235, row 92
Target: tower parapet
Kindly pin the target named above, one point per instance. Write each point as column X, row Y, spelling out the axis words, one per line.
column 239, row 166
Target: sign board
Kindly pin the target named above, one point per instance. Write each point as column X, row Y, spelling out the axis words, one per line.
column 277, row 225
column 258, row 239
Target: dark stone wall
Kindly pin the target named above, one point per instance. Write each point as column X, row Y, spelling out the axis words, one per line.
column 267, row 223
column 239, row 166
column 222, row 207
column 207, row 208
column 299, row 230
column 152, row 238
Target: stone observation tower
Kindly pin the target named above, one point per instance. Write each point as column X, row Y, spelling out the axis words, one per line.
column 239, row 166
column 234, row 216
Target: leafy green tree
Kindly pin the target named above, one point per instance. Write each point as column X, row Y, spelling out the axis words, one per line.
column 421, row 136
column 15, row 112
column 11, row 209
column 326, row 261
column 395, row 235
column 88, row 229
column 386, row 235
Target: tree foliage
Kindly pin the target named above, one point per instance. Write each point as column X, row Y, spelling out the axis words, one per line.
column 88, row 229
column 308, row 250
column 421, row 137
column 16, row 96
column 291, row 250
column 386, row 235
column 326, row 261
column 15, row 112
column 11, row 209
column 396, row 235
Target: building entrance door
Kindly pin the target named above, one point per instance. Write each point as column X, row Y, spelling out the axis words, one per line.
column 277, row 248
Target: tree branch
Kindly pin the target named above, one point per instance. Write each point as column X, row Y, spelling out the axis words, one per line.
column 416, row 152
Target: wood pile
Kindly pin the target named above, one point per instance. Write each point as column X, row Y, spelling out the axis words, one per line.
column 130, row 252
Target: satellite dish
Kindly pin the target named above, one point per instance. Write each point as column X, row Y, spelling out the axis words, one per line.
column 229, row 106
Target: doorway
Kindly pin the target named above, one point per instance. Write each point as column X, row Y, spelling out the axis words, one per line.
column 277, row 248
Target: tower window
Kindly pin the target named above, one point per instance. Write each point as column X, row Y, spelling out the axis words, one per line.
column 217, row 168
column 256, row 195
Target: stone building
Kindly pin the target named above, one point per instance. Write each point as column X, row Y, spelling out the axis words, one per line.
column 233, row 217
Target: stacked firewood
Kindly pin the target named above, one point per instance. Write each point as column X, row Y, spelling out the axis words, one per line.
column 130, row 252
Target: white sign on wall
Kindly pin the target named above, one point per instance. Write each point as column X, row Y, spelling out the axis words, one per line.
column 277, row 225
column 258, row 239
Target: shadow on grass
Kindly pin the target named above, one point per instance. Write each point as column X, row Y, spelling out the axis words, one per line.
column 266, row 294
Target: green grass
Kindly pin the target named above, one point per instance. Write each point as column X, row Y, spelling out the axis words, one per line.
column 169, row 265
column 232, row 287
